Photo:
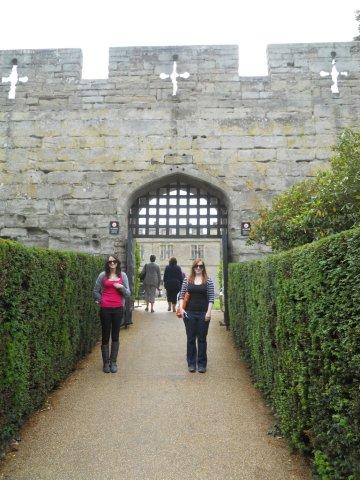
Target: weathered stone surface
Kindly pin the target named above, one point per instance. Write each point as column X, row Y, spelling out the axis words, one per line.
column 173, row 159
column 75, row 154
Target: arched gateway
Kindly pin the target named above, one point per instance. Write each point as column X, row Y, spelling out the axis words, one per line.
column 178, row 207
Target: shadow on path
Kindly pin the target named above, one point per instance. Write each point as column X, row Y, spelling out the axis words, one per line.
column 154, row 420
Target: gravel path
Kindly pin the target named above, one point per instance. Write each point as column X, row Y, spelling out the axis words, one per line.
column 154, row 420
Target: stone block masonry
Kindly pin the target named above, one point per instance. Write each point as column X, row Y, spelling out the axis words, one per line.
column 75, row 154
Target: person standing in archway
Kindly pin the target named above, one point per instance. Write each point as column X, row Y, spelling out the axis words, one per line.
column 173, row 278
column 197, row 314
column 151, row 277
column 111, row 288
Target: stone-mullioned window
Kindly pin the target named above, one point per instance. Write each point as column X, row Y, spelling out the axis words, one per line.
column 166, row 251
column 197, row 251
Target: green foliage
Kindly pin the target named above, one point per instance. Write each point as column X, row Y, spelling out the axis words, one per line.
column 220, row 277
column 323, row 468
column 217, row 305
column 137, row 257
column 296, row 317
column 357, row 17
column 48, row 320
column 315, row 208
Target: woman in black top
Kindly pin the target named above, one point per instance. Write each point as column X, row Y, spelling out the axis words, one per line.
column 172, row 282
column 197, row 314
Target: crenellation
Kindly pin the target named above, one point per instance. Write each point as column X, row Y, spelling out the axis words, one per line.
column 44, row 65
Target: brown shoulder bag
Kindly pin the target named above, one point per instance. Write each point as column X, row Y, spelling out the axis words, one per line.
column 185, row 304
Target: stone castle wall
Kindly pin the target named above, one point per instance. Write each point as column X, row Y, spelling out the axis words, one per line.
column 74, row 154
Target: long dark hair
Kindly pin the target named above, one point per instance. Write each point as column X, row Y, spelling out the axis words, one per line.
column 191, row 277
column 107, row 266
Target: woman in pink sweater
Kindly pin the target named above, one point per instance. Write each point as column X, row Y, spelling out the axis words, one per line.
column 111, row 288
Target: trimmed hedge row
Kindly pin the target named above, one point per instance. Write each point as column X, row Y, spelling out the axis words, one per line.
column 48, row 321
column 296, row 317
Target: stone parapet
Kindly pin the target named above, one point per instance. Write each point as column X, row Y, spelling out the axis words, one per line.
column 310, row 58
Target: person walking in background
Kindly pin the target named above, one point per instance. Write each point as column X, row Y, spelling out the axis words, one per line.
column 111, row 288
column 173, row 278
column 151, row 280
column 197, row 314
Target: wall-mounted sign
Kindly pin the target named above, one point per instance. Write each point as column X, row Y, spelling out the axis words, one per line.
column 245, row 228
column 114, row 228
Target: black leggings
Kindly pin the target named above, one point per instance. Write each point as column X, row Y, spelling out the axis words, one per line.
column 110, row 322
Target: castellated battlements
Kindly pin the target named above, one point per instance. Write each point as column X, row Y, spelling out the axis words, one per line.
column 47, row 65
column 310, row 58
column 135, row 71
column 74, row 154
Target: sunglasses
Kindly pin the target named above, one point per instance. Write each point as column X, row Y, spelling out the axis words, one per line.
column 199, row 266
column 112, row 261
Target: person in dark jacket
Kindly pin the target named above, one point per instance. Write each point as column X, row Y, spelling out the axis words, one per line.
column 173, row 278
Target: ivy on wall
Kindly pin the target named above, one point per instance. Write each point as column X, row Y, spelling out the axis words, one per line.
column 137, row 281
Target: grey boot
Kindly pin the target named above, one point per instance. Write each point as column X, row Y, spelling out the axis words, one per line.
column 113, row 356
column 105, row 357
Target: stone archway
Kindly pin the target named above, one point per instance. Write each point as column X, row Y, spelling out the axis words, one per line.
column 180, row 209
column 165, row 176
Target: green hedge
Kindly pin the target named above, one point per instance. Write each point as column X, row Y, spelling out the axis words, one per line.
column 48, row 321
column 296, row 316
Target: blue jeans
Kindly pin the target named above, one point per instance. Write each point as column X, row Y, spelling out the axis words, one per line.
column 196, row 329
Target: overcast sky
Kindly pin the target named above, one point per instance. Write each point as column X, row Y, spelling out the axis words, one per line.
column 252, row 24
